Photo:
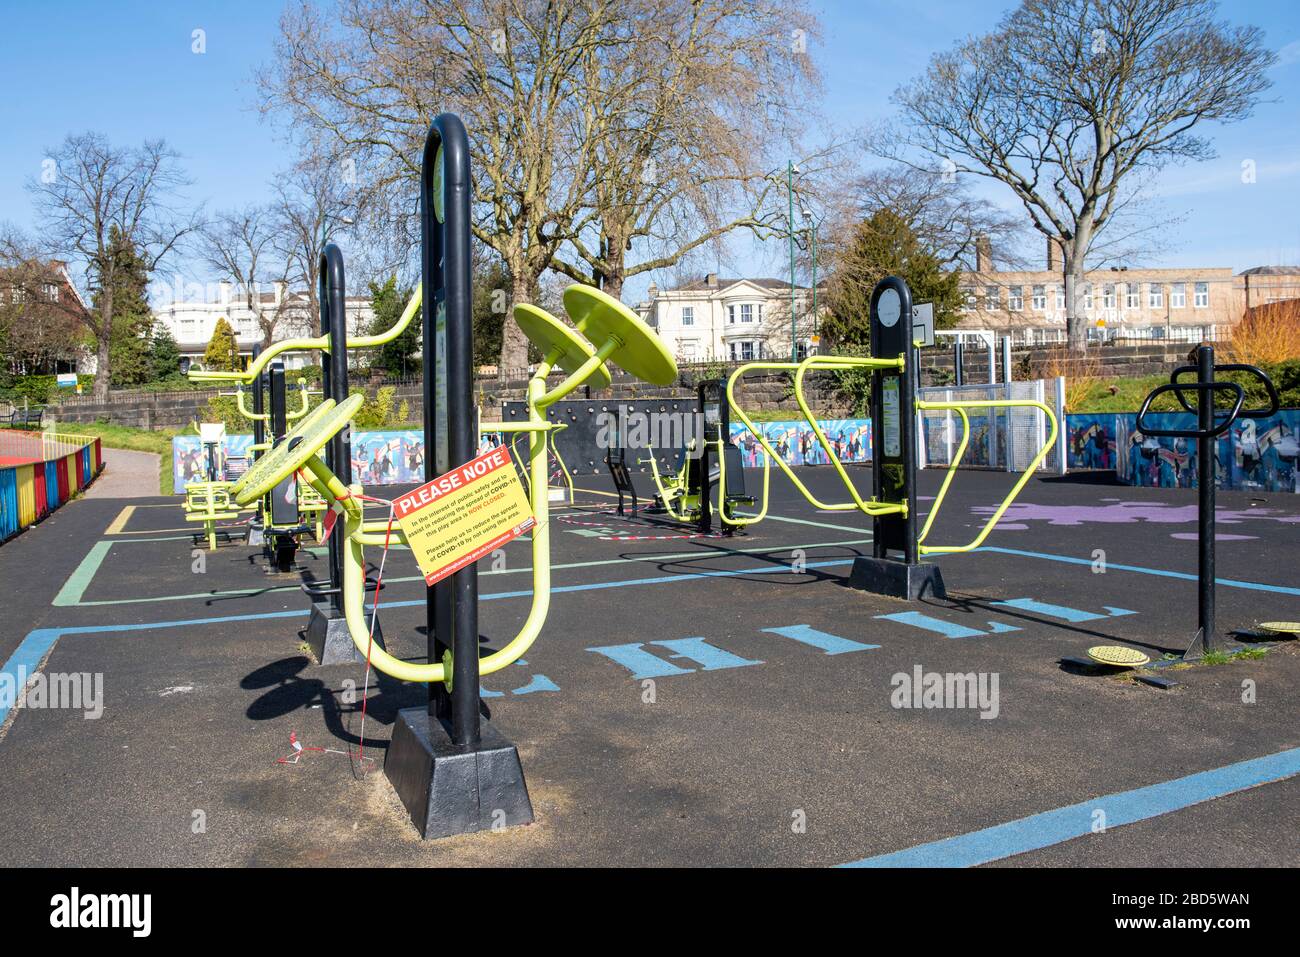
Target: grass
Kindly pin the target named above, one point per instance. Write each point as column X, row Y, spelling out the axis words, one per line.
column 158, row 441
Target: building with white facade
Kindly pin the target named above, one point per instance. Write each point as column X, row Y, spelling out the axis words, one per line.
column 191, row 323
column 730, row 319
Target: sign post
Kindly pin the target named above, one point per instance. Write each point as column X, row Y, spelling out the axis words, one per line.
column 893, row 404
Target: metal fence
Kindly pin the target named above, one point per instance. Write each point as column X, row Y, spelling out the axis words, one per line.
column 1001, row 438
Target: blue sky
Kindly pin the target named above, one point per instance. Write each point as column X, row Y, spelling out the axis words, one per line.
column 126, row 69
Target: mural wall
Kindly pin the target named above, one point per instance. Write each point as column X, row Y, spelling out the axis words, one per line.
column 797, row 444
column 1254, row 455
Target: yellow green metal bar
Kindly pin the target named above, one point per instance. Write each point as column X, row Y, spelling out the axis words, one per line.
column 772, row 453
column 672, row 493
column 869, row 506
column 244, row 410
column 579, row 374
column 322, row 343
column 1015, row 490
column 306, row 403
column 947, row 479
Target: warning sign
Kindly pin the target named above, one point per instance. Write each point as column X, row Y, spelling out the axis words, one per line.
column 464, row 514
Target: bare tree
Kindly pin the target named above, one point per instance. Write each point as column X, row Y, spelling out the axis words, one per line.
column 947, row 220
column 1068, row 99
column 241, row 244
column 687, row 104
column 544, row 95
column 313, row 201
column 40, row 318
column 94, row 190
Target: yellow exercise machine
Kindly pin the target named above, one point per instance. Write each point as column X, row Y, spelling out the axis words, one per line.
column 451, row 768
column 894, row 405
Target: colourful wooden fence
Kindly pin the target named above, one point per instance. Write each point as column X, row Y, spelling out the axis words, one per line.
column 30, row 491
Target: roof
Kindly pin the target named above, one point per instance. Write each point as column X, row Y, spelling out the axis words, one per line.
column 1271, row 271
column 724, row 283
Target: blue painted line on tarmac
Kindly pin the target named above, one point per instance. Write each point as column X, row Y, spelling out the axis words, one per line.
column 831, row 644
column 1064, row 824
column 1063, row 612
column 38, row 643
column 1160, row 572
column 937, row 625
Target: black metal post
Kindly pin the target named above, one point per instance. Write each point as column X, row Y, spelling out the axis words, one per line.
column 958, row 362
column 893, row 450
column 334, row 379
column 1206, row 453
column 450, row 433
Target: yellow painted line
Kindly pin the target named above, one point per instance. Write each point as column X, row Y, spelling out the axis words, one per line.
column 119, row 523
column 153, row 531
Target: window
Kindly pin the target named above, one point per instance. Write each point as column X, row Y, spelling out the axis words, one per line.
column 17, row 294
column 1156, row 296
column 50, row 292
column 1040, row 298
column 1060, row 297
column 1108, row 295
column 742, row 351
column 1178, row 295
column 731, row 315
column 1202, row 295
column 1131, row 296
column 1087, row 296
column 688, row 315
column 688, row 350
column 1016, row 298
column 746, row 313
column 992, row 297
column 760, row 312
column 967, row 298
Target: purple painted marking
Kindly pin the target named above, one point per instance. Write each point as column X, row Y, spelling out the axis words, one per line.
column 1219, row 537
column 1123, row 513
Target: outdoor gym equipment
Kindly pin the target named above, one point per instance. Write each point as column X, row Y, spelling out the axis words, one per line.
column 687, row 494
column 894, row 408
column 452, row 770
column 326, row 628
column 1211, row 423
column 209, row 503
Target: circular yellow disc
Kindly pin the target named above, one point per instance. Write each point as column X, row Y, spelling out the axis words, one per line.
column 1281, row 627
column 601, row 317
column 548, row 334
column 1117, row 656
column 258, row 470
column 298, row 446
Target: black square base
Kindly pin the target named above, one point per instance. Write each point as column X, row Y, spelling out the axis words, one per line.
column 885, row 576
column 329, row 638
column 448, row 791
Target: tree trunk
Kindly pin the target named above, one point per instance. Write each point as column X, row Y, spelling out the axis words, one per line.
column 102, row 371
column 1076, row 323
column 514, row 344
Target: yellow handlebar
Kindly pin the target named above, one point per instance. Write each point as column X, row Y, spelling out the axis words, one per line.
column 322, row 343
column 960, row 408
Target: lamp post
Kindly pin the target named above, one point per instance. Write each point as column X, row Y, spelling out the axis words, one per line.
column 791, row 171
column 812, row 248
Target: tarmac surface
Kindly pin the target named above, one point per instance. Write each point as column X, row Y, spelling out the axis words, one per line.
column 691, row 701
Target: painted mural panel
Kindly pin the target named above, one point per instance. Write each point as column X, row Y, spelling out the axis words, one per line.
column 797, row 444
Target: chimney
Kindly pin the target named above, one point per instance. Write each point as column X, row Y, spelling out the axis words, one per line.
column 711, row 280
column 1055, row 255
column 983, row 255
